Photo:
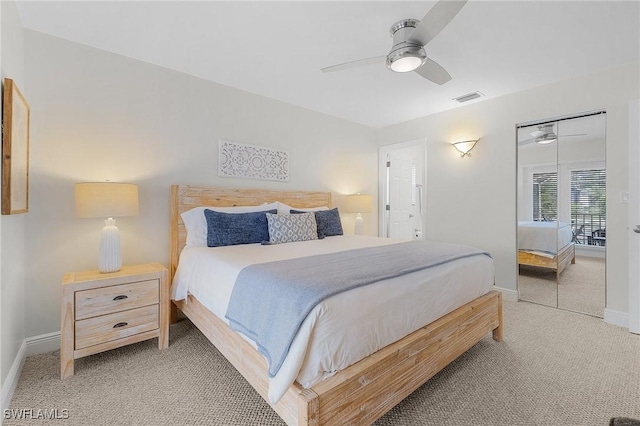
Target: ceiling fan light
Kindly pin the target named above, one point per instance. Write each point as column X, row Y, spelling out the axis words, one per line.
column 543, row 140
column 406, row 59
column 406, row 64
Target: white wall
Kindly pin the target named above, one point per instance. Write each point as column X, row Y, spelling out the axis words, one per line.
column 12, row 235
column 98, row 116
column 473, row 200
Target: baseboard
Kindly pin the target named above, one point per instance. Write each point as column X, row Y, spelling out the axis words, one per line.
column 616, row 318
column 9, row 385
column 510, row 295
column 43, row 343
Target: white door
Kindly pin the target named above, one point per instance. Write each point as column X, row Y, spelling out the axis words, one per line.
column 402, row 199
column 634, row 217
column 400, row 195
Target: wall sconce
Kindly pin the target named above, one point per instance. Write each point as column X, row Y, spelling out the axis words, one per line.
column 359, row 203
column 107, row 199
column 465, row 147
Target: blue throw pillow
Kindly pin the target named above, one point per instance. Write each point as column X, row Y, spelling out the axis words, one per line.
column 328, row 222
column 228, row 229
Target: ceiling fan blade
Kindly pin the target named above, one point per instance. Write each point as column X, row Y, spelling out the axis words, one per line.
column 435, row 20
column 431, row 70
column 568, row 136
column 539, row 133
column 354, row 64
column 526, row 141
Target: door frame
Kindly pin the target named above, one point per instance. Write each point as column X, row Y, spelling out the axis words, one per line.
column 383, row 150
column 634, row 216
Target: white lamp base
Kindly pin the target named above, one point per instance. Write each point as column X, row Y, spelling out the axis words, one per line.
column 110, row 259
column 359, row 229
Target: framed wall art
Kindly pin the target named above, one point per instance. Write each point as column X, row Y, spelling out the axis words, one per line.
column 253, row 162
column 15, row 150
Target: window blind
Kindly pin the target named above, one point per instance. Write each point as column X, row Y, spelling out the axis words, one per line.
column 588, row 192
column 545, row 196
column 589, row 205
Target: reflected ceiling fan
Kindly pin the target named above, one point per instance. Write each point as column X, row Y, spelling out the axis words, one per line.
column 545, row 135
column 409, row 38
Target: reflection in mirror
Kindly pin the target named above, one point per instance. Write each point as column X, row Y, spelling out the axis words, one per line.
column 582, row 203
column 562, row 213
column 537, row 214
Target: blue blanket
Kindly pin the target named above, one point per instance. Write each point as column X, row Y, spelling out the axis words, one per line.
column 270, row 300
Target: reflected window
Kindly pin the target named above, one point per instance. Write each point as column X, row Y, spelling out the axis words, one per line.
column 589, row 205
column 545, row 197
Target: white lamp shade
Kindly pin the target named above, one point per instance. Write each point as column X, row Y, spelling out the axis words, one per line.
column 359, row 203
column 106, row 199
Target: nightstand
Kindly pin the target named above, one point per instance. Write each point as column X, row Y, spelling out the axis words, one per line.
column 106, row 311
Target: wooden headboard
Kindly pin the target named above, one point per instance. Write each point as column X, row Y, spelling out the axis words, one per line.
column 186, row 197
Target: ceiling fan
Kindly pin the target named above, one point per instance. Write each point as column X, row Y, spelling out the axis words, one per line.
column 409, row 38
column 545, row 135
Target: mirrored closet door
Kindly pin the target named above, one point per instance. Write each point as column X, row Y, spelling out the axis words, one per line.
column 562, row 212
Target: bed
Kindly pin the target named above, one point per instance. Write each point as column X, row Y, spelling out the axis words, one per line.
column 366, row 389
column 538, row 244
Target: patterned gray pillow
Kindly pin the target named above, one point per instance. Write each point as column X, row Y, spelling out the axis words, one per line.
column 287, row 228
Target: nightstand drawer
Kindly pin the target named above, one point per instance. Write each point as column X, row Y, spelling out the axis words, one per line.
column 115, row 326
column 101, row 301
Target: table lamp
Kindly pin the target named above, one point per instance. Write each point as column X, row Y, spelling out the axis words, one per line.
column 107, row 199
column 359, row 203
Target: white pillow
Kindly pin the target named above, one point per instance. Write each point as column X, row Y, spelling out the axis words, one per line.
column 196, row 223
column 285, row 209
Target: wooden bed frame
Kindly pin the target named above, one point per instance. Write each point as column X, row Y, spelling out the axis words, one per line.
column 363, row 392
column 558, row 263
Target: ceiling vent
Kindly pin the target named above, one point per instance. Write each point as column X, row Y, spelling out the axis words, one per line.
column 468, row 97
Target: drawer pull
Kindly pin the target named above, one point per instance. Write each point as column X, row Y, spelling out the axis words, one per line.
column 121, row 297
column 120, row 324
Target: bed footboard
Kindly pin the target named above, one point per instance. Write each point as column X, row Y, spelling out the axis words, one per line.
column 364, row 392
column 558, row 263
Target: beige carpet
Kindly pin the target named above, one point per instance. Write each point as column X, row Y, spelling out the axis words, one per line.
column 581, row 287
column 553, row 368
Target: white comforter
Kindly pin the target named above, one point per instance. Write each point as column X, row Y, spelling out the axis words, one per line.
column 344, row 328
column 545, row 237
